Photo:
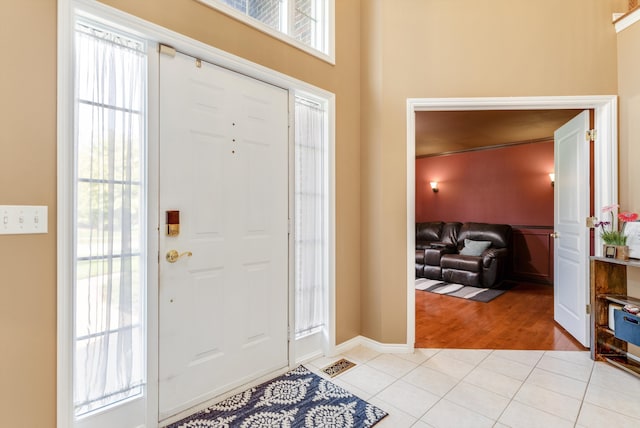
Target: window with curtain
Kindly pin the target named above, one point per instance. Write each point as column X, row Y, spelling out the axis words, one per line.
column 306, row 21
column 310, row 216
column 110, row 226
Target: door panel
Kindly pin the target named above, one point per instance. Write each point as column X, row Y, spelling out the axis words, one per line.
column 571, row 194
column 224, row 166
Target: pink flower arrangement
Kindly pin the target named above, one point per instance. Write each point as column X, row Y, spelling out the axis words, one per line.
column 627, row 216
column 610, row 236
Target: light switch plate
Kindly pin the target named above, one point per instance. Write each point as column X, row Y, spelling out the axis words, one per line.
column 23, row 219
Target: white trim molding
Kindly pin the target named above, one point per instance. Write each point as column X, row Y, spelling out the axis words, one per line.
column 383, row 348
column 627, row 20
column 605, row 109
column 64, row 110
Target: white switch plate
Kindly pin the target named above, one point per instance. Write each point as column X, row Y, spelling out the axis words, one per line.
column 23, row 219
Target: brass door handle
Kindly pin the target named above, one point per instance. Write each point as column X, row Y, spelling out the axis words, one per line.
column 173, row 256
column 554, row 235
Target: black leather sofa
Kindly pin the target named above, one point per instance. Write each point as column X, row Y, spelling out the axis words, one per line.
column 475, row 254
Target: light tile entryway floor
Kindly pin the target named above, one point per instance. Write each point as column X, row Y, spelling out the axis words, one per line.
column 457, row 388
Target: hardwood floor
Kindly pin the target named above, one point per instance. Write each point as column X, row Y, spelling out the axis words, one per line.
column 521, row 318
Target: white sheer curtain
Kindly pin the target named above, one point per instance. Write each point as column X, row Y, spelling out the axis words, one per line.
column 310, row 216
column 110, row 76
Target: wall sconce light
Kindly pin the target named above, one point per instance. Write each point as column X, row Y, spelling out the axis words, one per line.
column 434, row 186
column 552, row 177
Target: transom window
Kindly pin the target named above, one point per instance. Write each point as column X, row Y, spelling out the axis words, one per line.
column 303, row 23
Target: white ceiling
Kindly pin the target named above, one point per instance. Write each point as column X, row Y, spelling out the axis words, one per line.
column 440, row 132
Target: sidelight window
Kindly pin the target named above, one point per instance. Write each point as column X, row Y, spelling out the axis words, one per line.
column 109, row 218
column 311, row 214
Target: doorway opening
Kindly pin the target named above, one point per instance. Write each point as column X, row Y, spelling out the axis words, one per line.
column 604, row 168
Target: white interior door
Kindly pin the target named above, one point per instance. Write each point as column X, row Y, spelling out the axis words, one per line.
column 571, row 245
column 224, row 166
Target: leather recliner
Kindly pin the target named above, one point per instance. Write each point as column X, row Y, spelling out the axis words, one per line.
column 433, row 240
column 486, row 269
column 438, row 248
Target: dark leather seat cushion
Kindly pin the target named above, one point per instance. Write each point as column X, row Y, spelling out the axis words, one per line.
column 432, row 272
column 432, row 255
column 457, row 261
column 461, row 277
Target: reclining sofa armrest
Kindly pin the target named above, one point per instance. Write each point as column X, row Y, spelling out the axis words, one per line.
column 492, row 254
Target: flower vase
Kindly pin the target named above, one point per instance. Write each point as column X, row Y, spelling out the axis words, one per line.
column 622, row 252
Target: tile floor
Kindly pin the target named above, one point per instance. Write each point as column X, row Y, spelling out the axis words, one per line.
column 490, row 388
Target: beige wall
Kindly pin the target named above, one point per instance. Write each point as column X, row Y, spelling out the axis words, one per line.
column 629, row 110
column 28, row 177
column 629, row 92
column 439, row 48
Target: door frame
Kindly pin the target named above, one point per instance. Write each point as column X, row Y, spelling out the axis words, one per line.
column 605, row 157
column 155, row 34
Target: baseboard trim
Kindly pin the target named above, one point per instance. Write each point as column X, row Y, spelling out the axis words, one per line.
column 387, row 348
column 633, row 357
column 308, row 357
column 383, row 348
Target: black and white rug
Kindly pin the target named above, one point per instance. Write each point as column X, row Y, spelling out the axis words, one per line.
column 476, row 294
column 298, row 398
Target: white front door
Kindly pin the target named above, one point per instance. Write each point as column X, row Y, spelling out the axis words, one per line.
column 571, row 208
column 224, row 166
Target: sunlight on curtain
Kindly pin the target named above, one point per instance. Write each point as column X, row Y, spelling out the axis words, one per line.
column 310, row 216
column 110, row 269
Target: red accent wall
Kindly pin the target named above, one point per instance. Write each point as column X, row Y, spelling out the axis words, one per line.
column 505, row 185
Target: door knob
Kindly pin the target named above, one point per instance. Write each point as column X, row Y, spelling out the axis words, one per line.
column 554, row 235
column 173, row 256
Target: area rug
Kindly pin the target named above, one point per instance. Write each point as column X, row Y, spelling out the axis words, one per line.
column 298, row 398
column 476, row 294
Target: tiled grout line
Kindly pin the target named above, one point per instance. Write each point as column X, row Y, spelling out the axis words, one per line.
column 515, row 393
column 513, row 397
column 463, row 378
column 634, row 418
column 418, row 365
column 475, row 365
column 444, row 395
column 522, row 383
column 584, row 394
column 415, row 368
column 458, row 383
column 496, row 421
column 440, row 398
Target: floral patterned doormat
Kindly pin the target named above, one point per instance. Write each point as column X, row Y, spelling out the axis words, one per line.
column 296, row 399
